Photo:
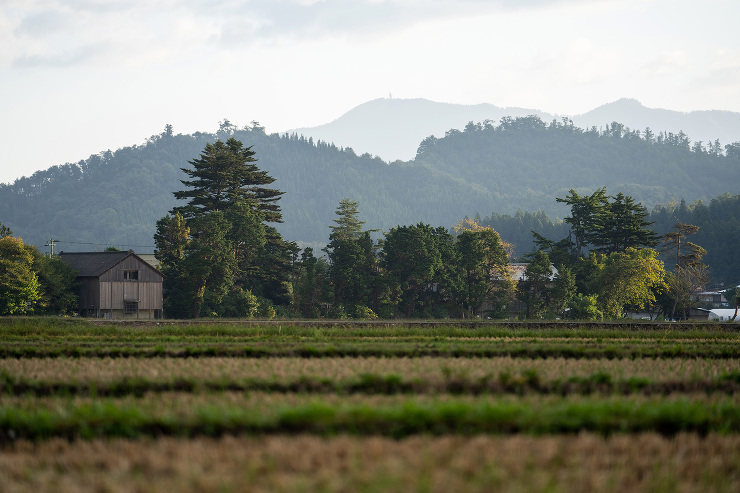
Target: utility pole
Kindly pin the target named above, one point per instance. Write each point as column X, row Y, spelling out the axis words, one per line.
column 51, row 244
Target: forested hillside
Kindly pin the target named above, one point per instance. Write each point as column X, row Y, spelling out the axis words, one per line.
column 115, row 198
column 524, row 163
column 521, row 164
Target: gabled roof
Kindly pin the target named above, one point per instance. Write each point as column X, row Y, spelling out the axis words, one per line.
column 94, row 264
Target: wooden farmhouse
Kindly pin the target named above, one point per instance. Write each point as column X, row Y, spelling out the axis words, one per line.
column 116, row 285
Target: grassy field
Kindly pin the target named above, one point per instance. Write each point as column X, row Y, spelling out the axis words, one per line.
column 288, row 406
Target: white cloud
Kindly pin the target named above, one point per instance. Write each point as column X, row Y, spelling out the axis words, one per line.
column 665, row 64
column 100, row 74
column 73, row 32
column 723, row 70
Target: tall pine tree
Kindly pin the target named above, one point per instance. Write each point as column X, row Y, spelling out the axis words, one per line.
column 219, row 245
column 226, row 174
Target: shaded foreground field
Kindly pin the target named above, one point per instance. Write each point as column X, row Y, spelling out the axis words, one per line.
column 368, row 407
column 275, row 463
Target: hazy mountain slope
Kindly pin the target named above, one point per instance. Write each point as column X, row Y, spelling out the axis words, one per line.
column 393, row 128
column 521, row 164
column 705, row 126
column 116, row 198
column 527, row 161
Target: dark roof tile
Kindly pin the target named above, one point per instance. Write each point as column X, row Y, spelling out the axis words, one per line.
column 92, row 264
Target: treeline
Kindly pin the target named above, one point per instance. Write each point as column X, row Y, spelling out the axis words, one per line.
column 115, row 198
column 718, row 222
column 222, row 256
column 606, row 265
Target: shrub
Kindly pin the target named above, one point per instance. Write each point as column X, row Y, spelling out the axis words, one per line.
column 585, row 308
column 362, row 312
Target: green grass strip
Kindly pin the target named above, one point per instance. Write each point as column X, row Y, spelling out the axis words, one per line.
column 51, row 328
column 105, row 419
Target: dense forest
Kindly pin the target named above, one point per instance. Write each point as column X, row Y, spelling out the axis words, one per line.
column 524, row 163
column 519, row 164
column 719, row 231
column 718, row 221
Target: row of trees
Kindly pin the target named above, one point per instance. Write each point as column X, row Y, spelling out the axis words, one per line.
column 719, row 227
column 718, row 222
column 608, row 265
column 416, row 270
column 221, row 256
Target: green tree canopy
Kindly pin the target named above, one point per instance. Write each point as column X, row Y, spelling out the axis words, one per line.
column 586, row 214
column 606, row 226
column 483, row 262
column 564, row 289
column 57, row 285
column 413, row 259
column 217, row 250
column 689, row 272
column 19, row 284
column 353, row 263
column 225, row 174
column 534, row 291
column 312, row 290
column 5, row 231
column 626, row 279
column 348, row 224
column 622, row 224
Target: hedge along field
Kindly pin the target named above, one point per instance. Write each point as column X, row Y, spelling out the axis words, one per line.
column 322, row 394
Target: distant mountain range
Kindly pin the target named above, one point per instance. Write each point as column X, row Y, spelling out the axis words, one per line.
column 392, row 128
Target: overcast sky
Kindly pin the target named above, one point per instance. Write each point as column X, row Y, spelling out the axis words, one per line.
column 78, row 77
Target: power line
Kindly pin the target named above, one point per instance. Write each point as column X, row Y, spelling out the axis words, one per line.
column 96, row 244
column 51, row 244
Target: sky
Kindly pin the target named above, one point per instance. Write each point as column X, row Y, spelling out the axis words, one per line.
column 79, row 77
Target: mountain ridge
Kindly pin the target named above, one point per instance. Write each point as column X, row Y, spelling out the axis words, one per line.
column 700, row 125
column 390, row 128
column 396, row 136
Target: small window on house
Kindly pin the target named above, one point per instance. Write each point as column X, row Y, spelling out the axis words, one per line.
column 130, row 307
column 131, row 275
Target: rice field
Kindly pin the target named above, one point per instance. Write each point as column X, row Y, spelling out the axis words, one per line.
column 368, row 407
